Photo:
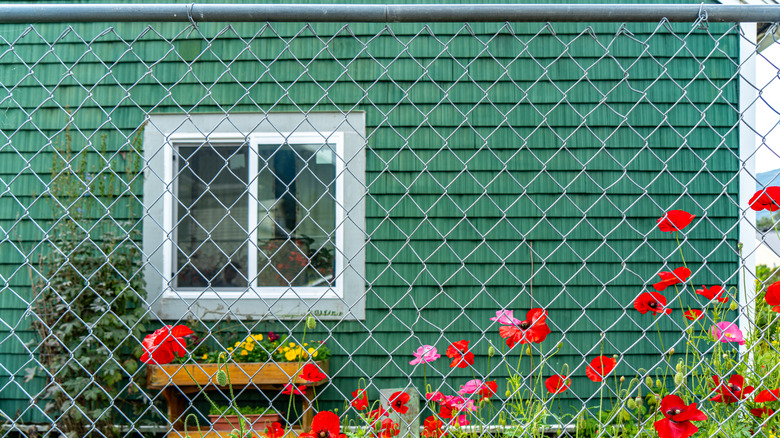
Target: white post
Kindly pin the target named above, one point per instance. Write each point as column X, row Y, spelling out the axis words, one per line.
column 747, row 183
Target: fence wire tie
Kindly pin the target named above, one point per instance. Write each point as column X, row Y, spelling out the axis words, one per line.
column 192, row 21
column 701, row 21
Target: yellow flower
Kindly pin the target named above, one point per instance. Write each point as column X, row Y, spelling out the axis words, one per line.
column 257, row 338
column 292, row 344
column 250, row 346
column 291, row 355
column 306, row 344
column 315, row 354
column 311, row 350
column 237, row 343
column 205, row 356
column 244, row 352
column 230, row 348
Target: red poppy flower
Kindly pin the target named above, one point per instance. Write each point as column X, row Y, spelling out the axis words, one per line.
column 731, row 392
column 312, row 373
column 677, row 418
column 772, row 296
column 713, row 293
column 762, row 412
column 651, row 302
column 460, row 354
column 557, row 384
column 398, row 402
column 274, row 430
column 292, row 389
column 599, row 367
column 389, row 428
column 675, row 220
column 768, row 395
column 325, row 425
column 447, row 411
column 433, row 428
column 488, row 389
column 533, row 330
column 162, row 346
column 766, row 199
column 376, row 414
column 360, row 401
column 693, row 314
column 677, row 276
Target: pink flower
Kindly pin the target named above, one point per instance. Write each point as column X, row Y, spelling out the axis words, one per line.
column 425, row 354
column 727, row 332
column 460, row 421
column 470, row 387
column 437, row 396
column 506, row 317
column 460, row 403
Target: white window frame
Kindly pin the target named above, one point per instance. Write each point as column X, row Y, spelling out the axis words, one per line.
column 344, row 300
column 253, row 141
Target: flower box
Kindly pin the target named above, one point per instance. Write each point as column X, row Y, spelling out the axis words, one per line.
column 262, row 375
column 258, row 423
column 174, row 380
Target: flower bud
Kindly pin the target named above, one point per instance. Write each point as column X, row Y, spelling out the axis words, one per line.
column 678, row 379
column 335, row 410
column 622, row 379
column 639, row 401
column 311, row 323
column 615, row 356
column 528, row 350
column 631, row 404
column 679, row 367
column 222, row 379
column 649, row 382
column 491, row 351
column 734, row 305
column 508, row 393
column 671, row 351
column 725, row 356
column 658, row 383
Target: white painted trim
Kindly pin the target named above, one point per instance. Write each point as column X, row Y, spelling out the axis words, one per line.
column 255, row 139
column 168, row 196
column 747, row 182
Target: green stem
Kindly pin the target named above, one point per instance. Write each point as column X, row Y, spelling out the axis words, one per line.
column 200, row 389
column 293, row 378
column 233, row 397
column 197, row 424
column 677, row 237
column 660, row 339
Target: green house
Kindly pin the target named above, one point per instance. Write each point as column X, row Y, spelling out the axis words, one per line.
column 401, row 183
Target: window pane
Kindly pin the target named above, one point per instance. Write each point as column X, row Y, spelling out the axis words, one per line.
column 211, row 231
column 296, row 215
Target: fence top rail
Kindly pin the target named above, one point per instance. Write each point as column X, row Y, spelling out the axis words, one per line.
column 68, row 13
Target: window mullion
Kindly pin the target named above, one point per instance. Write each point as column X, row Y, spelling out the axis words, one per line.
column 252, row 223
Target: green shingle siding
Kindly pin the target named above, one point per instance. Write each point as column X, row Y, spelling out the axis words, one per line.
column 663, row 136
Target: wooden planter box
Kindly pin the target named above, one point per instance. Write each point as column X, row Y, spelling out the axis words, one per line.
column 258, row 423
column 175, row 383
column 262, row 375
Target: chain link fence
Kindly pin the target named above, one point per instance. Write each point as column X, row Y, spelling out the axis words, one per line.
column 185, row 199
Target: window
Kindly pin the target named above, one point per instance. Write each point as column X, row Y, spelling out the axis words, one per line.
column 248, row 219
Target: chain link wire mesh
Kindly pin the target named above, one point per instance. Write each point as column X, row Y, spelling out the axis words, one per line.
column 350, row 193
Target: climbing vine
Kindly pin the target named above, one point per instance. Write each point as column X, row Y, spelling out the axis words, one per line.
column 88, row 291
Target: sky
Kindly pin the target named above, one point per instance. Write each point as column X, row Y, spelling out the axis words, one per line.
column 768, row 109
